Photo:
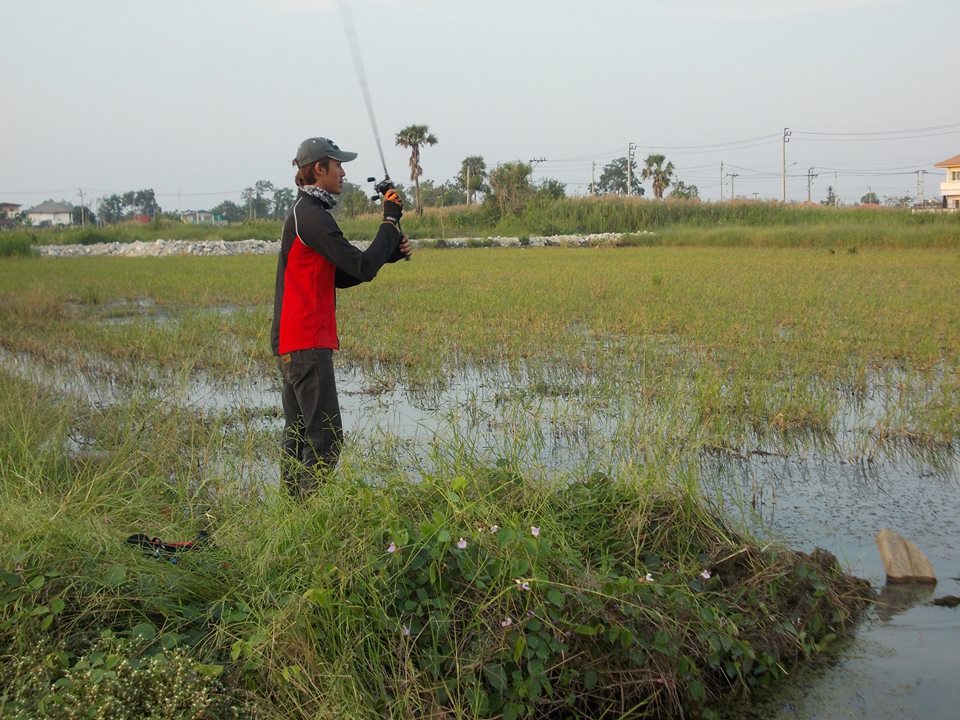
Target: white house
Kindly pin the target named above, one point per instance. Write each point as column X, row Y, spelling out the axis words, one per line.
column 950, row 189
column 51, row 213
column 9, row 209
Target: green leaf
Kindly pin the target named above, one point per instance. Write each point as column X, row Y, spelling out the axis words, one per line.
column 209, row 670
column 443, row 536
column 697, row 691
column 169, row 640
column 57, row 605
column 36, row 583
column 496, row 676
column 555, row 597
column 9, row 578
column 588, row 629
column 113, row 576
column 145, row 631
column 511, row 711
column 317, row 596
column 519, row 646
column 459, row 483
column 590, row 680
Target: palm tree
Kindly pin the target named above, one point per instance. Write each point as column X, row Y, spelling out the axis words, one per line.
column 661, row 175
column 413, row 136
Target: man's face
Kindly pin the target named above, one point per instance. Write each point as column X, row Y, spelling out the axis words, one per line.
column 331, row 178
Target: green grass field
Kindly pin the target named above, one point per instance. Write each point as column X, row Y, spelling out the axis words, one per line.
column 388, row 593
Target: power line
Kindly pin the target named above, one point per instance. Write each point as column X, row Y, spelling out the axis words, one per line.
column 883, row 132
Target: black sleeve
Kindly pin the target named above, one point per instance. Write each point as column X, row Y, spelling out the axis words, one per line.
column 343, row 280
column 354, row 266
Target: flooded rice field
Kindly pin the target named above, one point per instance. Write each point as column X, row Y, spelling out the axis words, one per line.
column 806, row 492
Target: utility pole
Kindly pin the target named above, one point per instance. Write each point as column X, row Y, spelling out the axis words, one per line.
column 468, row 183
column 733, row 187
column 721, row 181
column 593, row 178
column 82, row 213
column 920, row 174
column 534, row 162
column 630, row 149
column 810, row 177
column 783, row 155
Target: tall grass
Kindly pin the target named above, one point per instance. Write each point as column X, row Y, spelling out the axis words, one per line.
column 735, row 223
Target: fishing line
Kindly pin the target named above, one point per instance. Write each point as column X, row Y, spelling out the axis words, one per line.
column 351, row 31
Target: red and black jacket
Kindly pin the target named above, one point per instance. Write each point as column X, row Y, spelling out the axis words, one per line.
column 315, row 258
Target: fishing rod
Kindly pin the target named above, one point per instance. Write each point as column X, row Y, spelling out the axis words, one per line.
column 385, row 184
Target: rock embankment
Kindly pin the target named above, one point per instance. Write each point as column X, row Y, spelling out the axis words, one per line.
column 165, row 248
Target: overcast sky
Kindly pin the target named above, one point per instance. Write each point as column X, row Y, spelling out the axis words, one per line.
column 199, row 99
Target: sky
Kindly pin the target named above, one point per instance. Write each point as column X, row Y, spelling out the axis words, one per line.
column 198, row 99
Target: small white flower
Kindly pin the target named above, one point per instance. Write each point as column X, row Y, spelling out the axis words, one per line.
column 647, row 579
column 462, row 544
column 391, row 548
column 494, row 528
column 405, row 631
column 535, row 531
column 523, row 585
column 507, row 622
column 705, row 574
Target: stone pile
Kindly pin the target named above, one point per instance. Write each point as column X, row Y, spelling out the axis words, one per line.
column 165, row 248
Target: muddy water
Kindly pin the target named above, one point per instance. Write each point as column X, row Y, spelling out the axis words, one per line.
column 902, row 662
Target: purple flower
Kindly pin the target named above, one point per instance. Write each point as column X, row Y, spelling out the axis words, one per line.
column 494, row 528
column 462, row 544
column 535, row 531
column 405, row 631
column 506, row 622
column 391, row 548
column 705, row 574
column 522, row 584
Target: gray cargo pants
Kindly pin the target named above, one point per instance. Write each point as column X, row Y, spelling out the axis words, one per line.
column 313, row 430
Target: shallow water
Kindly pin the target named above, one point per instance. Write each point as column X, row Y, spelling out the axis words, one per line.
column 901, row 663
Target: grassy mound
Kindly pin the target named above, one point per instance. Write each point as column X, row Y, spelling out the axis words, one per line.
column 450, row 590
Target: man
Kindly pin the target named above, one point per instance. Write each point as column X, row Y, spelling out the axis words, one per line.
column 315, row 258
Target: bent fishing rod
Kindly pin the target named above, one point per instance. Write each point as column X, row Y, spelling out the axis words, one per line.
column 385, row 184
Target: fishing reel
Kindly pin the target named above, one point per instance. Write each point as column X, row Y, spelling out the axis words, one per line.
column 381, row 187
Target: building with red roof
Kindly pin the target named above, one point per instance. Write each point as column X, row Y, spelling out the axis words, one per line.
column 950, row 188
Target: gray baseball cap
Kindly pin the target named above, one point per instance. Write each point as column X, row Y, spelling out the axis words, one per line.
column 314, row 149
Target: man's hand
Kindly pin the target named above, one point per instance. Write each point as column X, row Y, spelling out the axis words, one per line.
column 392, row 206
column 405, row 248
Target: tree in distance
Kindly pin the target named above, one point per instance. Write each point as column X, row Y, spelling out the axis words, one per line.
column 229, row 211
column 354, row 200
column 682, row 191
column 115, row 208
column 551, row 189
column 661, row 175
column 871, row 198
column 477, row 174
column 282, row 200
column 413, row 137
column 510, row 185
column 613, row 178
column 255, row 197
column 831, row 199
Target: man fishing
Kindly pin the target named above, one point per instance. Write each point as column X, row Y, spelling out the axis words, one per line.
column 315, row 259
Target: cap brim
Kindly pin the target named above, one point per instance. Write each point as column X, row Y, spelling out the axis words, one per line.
column 343, row 156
